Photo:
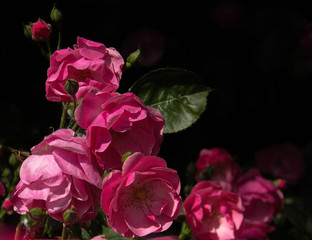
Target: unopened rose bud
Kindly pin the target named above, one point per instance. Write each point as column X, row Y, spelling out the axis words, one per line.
column 7, row 206
column 280, row 183
column 13, row 159
column 6, row 172
column 27, row 31
column 70, row 216
column 72, row 87
column 36, row 214
column 56, row 16
column 134, row 58
column 40, row 30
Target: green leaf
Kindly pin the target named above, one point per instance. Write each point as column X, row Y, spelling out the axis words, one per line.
column 180, row 96
column 110, row 234
column 85, row 235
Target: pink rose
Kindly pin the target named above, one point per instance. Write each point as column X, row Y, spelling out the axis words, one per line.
column 143, row 198
column 40, row 30
column 59, row 176
column 224, row 170
column 213, row 213
column 261, row 200
column 90, row 63
column 2, row 189
column 283, row 161
column 117, row 124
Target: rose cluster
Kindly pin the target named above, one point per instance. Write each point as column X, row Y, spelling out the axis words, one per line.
column 229, row 204
column 108, row 159
column 139, row 195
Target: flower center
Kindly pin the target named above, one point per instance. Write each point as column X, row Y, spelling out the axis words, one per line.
column 83, row 74
column 140, row 195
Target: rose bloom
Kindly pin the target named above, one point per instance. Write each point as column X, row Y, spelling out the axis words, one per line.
column 283, row 161
column 59, row 176
column 117, row 124
column 224, row 170
column 90, row 63
column 213, row 213
column 143, row 198
column 262, row 202
column 40, row 30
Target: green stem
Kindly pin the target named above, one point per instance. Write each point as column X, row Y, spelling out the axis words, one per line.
column 18, row 153
column 59, row 40
column 63, row 231
column 43, row 51
column 45, row 229
column 49, row 48
column 186, row 232
column 63, row 117
column 74, row 127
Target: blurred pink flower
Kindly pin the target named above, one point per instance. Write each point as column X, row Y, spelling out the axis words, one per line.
column 213, row 213
column 59, row 176
column 90, row 63
column 262, row 202
column 2, row 189
column 283, row 161
column 117, row 124
column 143, row 198
column 256, row 231
column 224, row 170
column 40, row 30
column 7, row 232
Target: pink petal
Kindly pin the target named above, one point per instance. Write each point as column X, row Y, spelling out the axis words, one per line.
column 110, row 185
column 139, row 162
column 225, row 231
column 90, row 107
column 88, row 44
column 138, row 222
column 77, row 165
column 164, row 193
column 42, row 167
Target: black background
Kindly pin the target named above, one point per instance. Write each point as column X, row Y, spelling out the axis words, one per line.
column 259, row 69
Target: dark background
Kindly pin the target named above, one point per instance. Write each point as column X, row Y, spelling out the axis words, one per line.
column 257, row 65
